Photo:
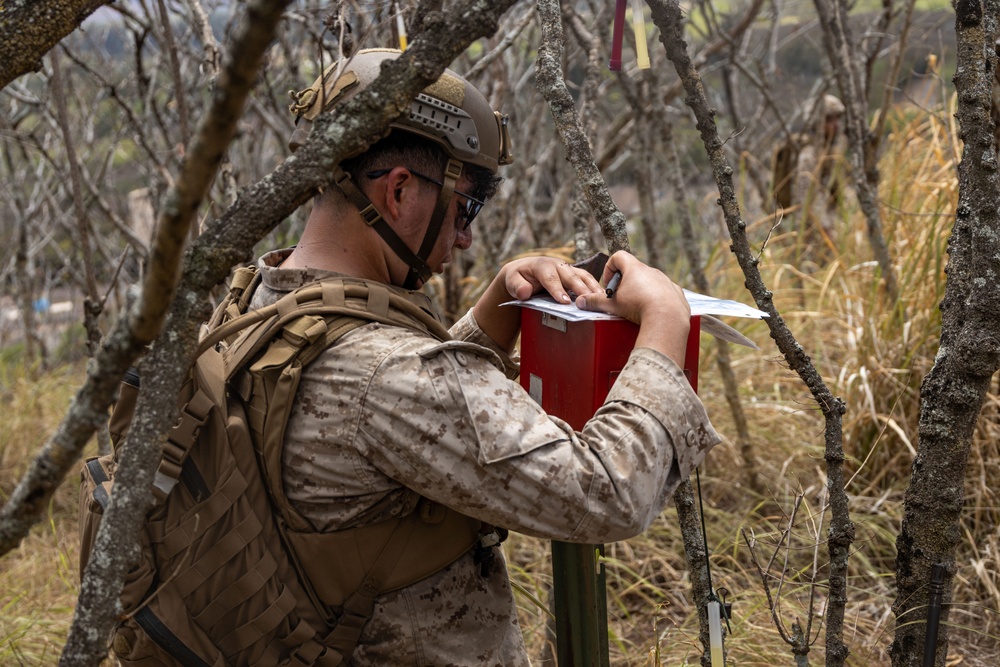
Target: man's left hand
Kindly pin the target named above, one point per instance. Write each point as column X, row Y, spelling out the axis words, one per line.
column 523, row 278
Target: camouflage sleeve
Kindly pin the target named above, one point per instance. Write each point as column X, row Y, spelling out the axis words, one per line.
column 443, row 421
column 467, row 329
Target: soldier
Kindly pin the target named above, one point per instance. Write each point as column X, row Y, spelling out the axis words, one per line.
column 392, row 423
column 808, row 171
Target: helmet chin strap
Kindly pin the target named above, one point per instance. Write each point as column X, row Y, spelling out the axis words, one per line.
column 452, row 172
column 419, row 271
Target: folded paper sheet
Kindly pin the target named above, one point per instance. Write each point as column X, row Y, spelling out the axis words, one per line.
column 700, row 305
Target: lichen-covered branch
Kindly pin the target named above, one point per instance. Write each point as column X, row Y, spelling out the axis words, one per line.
column 25, row 37
column 552, row 85
column 115, row 545
column 952, row 393
column 666, row 14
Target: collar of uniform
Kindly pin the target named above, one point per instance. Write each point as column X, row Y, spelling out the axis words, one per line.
column 286, row 280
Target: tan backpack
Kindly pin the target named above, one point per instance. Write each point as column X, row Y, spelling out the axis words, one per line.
column 228, row 573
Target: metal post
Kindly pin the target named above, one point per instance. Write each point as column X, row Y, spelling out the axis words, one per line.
column 581, row 607
column 933, row 614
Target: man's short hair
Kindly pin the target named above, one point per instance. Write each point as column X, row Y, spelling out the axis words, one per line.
column 405, row 149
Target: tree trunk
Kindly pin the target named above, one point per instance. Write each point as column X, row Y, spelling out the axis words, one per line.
column 953, row 392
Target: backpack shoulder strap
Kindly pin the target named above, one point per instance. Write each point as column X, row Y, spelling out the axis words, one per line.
column 370, row 301
column 242, row 284
column 264, row 363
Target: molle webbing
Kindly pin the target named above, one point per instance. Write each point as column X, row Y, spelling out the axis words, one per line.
column 370, row 301
column 226, row 567
column 241, row 288
column 431, row 537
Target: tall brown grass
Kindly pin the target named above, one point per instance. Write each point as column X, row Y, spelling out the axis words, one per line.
column 38, row 580
column 872, row 353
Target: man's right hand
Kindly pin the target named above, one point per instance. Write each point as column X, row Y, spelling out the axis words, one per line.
column 649, row 298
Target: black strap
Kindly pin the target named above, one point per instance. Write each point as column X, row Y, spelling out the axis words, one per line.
column 97, row 471
column 167, row 640
column 100, row 494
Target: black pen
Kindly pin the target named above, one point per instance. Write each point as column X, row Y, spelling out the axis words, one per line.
column 613, row 284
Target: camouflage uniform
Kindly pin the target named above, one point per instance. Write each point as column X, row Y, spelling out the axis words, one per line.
column 387, row 409
column 820, row 174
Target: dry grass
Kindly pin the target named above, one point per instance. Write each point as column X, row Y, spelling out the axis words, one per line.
column 873, row 354
column 38, row 580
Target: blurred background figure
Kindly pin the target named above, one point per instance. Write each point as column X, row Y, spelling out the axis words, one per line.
column 809, row 173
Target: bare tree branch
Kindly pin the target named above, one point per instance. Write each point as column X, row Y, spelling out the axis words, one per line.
column 666, row 15
column 91, row 306
column 552, row 85
column 175, row 71
column 844, row 57
column 723, row 360
column 142, row 323
column 213, row 57
column 523, row 22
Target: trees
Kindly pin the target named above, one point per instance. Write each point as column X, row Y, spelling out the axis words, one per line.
column 158, row 114
column 953, row 392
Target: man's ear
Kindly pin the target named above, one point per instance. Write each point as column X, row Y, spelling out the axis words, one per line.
column 400, row 189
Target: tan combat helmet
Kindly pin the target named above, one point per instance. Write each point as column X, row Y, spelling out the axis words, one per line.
column 451, row 112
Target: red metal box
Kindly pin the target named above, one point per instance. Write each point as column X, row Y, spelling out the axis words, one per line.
column 569, row 367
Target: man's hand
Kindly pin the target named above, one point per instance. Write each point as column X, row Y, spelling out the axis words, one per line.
column 650, row 299
column 521, row 279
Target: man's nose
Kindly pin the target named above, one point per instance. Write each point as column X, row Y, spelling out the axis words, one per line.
column 464, row 238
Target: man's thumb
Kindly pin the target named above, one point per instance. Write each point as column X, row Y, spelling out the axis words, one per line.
column 593, row 301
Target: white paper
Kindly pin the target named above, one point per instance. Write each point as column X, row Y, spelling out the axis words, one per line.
column 567, row 311
column 709, row 305
column 700, row 305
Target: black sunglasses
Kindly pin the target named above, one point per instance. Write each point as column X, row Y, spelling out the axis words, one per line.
column 472, row 205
